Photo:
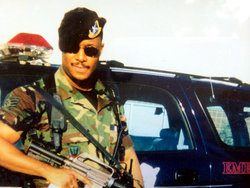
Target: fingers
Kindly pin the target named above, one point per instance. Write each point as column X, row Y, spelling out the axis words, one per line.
column 74, row 184
column 83, row 179
column 123, row 118
column 66, row 178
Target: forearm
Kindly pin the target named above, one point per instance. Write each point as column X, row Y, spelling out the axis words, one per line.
column 136, row 171
column 15, row 160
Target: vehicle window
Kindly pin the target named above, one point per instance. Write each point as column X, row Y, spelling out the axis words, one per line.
column 142, row 115
column 221, row 123
column 246, row 111
column 229, row 112
column 155, row 119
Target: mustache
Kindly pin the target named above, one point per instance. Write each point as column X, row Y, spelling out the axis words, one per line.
column 82, row 64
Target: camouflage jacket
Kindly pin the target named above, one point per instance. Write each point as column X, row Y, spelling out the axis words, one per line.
column 25, row 110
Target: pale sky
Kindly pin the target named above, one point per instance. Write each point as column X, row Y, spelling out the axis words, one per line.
column 204, row 37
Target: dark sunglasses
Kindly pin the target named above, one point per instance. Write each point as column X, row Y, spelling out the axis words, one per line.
column 91, row 51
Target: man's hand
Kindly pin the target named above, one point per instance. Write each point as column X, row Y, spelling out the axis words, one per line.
column 65, row 178
column 14, row 159
column 136, row 171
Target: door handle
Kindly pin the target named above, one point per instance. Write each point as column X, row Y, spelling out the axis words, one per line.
column 186, row 176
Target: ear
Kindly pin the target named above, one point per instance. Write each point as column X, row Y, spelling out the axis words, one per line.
column 102, row 46
column 101, row 49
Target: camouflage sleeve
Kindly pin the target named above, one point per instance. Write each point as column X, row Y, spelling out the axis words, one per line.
column 21, row 108
column 126, row 140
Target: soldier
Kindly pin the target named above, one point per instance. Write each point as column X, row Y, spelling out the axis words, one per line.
column 83, row 95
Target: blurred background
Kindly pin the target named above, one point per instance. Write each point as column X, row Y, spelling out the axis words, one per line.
column 204, row 37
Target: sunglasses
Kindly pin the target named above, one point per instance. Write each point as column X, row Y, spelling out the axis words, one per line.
column 91, row 51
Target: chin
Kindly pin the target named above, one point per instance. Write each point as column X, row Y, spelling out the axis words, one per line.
column 81, row 78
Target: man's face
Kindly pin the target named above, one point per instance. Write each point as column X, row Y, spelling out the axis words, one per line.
column 81, row 65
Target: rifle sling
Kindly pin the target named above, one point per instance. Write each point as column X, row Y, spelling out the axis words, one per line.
column 112, row 161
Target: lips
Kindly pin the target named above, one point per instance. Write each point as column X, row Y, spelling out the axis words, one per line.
column 79, row 67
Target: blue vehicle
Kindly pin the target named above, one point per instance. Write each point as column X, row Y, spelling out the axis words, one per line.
column 188, row 130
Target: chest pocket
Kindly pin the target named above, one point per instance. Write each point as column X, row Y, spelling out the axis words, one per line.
column 101, row 125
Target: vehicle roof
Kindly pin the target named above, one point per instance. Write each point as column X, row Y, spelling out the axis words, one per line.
column 116, row 66
column 230, row 81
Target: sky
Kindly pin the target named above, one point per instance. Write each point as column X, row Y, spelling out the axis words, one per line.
column 203, row 37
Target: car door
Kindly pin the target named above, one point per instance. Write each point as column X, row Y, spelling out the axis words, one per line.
column 166, row 140
column 228, row 114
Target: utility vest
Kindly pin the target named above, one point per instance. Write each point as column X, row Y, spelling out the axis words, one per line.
column 101, row 122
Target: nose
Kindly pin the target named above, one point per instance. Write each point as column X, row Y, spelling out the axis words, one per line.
column 81, row 56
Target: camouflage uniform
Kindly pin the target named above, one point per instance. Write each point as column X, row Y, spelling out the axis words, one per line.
column 24, row 109
column 100, row 122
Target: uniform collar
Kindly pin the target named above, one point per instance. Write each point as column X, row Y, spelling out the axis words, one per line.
column 67, row 92
column 64, row 89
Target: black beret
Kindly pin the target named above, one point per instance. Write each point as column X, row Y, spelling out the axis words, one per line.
column 77, row 25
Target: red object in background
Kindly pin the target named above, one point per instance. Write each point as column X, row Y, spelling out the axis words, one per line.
column 30, row 39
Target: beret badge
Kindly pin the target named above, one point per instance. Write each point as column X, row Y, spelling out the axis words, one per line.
column 95, row 30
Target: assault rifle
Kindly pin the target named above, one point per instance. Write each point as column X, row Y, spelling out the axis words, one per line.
column 98, row 172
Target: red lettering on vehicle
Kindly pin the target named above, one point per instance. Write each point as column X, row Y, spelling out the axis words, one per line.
column 236, row 168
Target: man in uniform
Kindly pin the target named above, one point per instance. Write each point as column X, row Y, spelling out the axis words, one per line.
column 83, row 95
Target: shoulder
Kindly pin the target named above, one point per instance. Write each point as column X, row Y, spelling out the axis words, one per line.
column 23, row 95
column 26, row 94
